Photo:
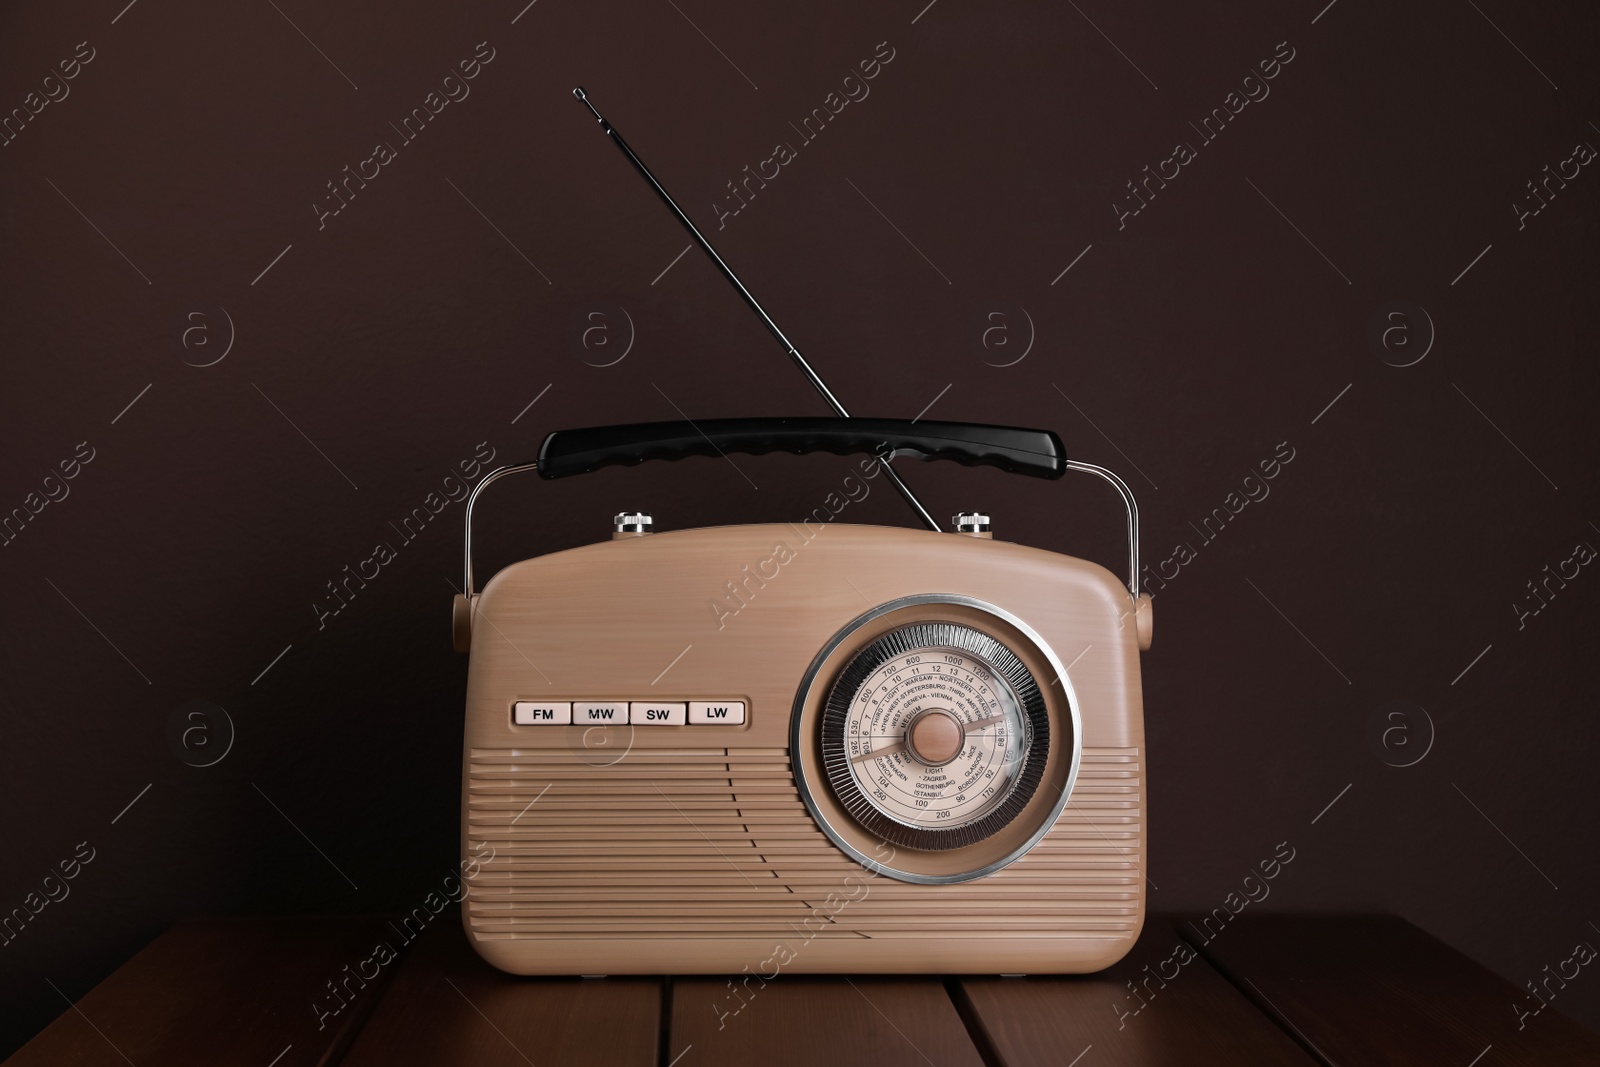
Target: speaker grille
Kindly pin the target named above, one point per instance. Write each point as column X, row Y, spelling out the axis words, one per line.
column 704, row 843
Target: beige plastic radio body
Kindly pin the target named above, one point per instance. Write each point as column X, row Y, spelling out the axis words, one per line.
column 671, row 845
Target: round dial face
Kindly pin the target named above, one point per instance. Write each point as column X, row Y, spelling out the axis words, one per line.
column 935, row 736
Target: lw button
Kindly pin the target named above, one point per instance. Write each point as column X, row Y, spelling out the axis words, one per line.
column 716, row 713
column 644, row 714
column 529, row 713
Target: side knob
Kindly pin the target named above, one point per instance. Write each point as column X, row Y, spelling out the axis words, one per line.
column 461, row 623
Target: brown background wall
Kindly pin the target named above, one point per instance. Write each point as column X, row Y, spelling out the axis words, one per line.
column 377, row 351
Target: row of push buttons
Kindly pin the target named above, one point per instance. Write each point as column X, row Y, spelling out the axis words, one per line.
column 637, row 712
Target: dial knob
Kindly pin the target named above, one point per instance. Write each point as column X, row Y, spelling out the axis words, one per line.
column 935, row 737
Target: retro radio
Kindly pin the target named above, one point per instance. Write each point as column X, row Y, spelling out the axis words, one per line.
column 814, row 745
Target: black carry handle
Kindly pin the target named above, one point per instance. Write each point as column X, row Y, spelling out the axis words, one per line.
column 1033, row 452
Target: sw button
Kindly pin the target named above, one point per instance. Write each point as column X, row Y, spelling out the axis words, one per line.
column 716, row 712
column 643, row 714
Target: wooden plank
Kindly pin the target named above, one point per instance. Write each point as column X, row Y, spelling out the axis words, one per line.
column 446, row 1006
column 1160, row 1005
column 219, row 991
column 887, row 1022
column 1375, row 989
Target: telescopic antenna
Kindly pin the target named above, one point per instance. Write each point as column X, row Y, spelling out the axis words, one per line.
column 761, row 313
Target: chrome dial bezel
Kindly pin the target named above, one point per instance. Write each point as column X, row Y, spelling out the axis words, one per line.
column 1067, row 737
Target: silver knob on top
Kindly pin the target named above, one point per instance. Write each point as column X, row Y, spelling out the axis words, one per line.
column 630, row 524
column 972, row 523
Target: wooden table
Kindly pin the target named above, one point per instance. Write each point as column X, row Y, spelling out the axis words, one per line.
column 1262, row 990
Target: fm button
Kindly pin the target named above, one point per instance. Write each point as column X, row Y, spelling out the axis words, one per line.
column 534, row 713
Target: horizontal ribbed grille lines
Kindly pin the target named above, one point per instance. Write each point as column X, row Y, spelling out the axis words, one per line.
column 717, row 843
